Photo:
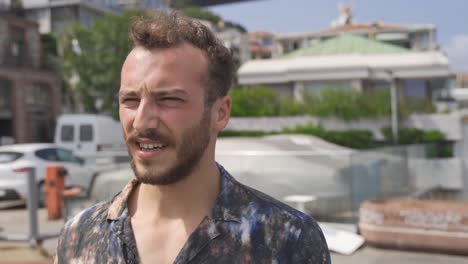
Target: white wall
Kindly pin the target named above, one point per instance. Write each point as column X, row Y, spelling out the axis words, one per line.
column 428, row 173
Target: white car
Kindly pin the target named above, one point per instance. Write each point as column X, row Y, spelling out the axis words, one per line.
column 14, row 159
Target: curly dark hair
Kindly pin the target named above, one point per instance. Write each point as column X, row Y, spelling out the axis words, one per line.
column 171, row 29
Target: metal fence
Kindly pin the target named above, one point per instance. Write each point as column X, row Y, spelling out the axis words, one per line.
column 379, row 173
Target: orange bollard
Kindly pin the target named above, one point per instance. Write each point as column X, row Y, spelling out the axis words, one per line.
column 54, row 187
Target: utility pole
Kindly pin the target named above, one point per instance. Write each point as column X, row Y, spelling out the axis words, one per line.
column 394, row 105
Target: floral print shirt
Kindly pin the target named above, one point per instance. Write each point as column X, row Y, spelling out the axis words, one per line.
column 244, row 226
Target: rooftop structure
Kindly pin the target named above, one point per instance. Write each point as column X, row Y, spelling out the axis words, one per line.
column 414, row 36
column 347, row 44
column 351, row 62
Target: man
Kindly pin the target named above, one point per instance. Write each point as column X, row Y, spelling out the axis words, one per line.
column 183, row 207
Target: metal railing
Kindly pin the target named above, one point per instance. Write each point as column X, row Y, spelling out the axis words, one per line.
column 33, row 237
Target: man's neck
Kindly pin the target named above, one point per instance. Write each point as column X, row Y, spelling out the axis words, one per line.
column 189, row 199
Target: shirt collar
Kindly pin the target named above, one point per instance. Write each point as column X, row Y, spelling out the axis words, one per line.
column 227, row 206
column 119, row 203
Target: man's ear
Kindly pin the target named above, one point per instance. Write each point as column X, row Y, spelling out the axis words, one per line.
column 221, row 112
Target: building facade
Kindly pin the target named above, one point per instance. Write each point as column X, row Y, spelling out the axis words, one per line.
column 30, row 94
column 236, row 41
column 53, row 16
column 263, row 45
column 352, row 62
column 416, row 37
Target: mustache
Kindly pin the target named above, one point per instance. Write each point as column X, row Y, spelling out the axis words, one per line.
column 151, row 134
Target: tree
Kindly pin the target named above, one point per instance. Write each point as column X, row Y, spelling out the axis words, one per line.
column 199, row 13
column 93, row 59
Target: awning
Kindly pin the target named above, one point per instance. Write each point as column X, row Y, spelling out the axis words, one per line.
column 432, row 64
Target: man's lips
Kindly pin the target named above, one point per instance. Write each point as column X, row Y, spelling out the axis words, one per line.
column 146, row 148
column 150, row 144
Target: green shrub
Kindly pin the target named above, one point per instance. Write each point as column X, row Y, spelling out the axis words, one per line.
column 433, row 136
column 254, row 101
column 408, row 136
column 349, row 104
column 289, row 107
column 439, row 150
column 363, row 139
column 357, row 139
column 346, row 104
column 439, row 147
column 414, row 105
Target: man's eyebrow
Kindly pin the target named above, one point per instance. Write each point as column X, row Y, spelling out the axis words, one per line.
column 158, row 93
column 127, row 93
column 166, row 92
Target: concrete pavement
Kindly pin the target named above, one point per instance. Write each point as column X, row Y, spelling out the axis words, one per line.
column 15, row 222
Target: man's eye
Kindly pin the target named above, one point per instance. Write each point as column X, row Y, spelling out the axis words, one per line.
column 171, row 99
column 129, row 100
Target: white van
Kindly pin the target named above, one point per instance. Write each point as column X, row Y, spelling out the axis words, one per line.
column 90, row 135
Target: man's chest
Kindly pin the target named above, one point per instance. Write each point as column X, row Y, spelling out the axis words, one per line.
column 205, row 245
column 159, row 245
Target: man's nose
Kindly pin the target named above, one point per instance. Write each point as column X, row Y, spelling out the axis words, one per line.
column 147, row 116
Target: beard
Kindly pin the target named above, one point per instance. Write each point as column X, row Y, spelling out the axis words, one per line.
column 189, row 151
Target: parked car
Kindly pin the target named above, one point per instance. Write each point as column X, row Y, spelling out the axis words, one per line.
column 15, row 159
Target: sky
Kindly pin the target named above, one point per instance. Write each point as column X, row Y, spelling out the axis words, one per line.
column 283, row 16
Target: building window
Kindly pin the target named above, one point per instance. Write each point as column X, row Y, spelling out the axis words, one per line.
column 5, row 95
column 38, row 94
column 67, row 133
column 16, row 48
column 86, row 133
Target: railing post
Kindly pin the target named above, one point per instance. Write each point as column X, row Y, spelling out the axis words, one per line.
column 32, row 205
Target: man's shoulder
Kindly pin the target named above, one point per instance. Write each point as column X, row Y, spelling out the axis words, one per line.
column 88, row 218
column 264, row 205
column 283, row 228
column 247, row 202
column 83, row 236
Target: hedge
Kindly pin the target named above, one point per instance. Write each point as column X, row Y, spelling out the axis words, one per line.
column 363, row 139
column 346, row 104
